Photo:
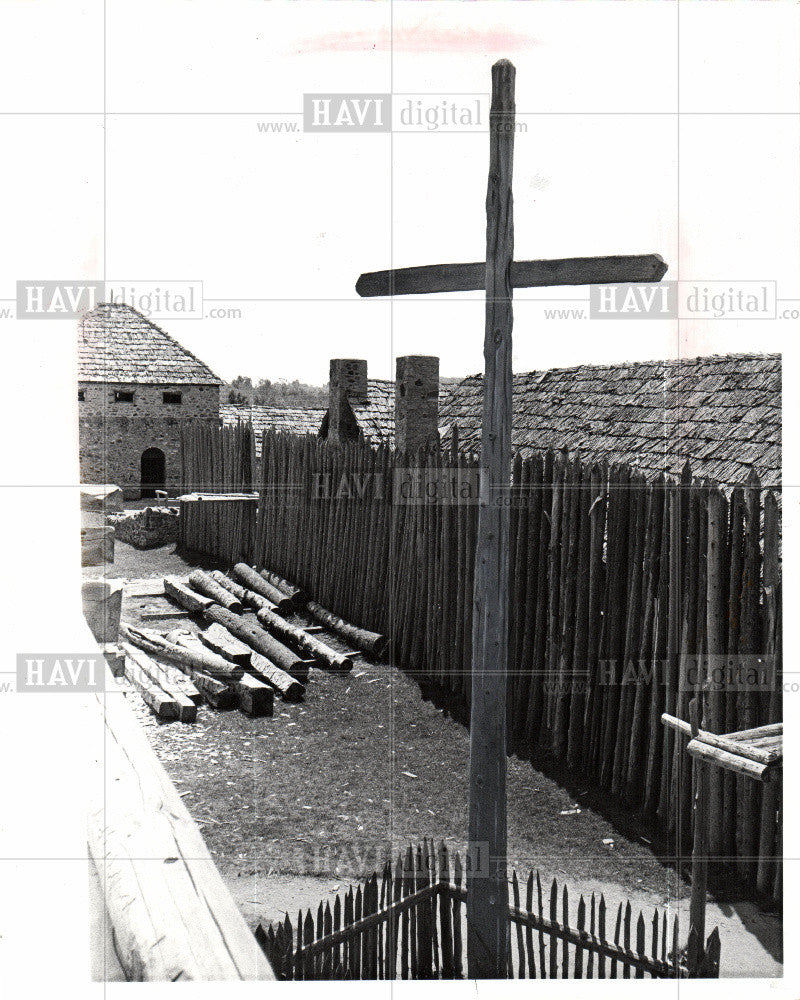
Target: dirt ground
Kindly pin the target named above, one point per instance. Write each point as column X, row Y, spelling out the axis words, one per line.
column 295, row 806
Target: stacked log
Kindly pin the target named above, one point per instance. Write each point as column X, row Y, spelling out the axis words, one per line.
column 254, row 581
column 259, row 640
column 187, row 598
column 248, row 597
column 371, row 642
column 254, row 698
column 209, row 587
column 297, row 596
column 183, row 649
column 307, row 644
column 287, row 687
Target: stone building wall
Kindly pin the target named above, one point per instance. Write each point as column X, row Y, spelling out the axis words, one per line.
column 113, row 435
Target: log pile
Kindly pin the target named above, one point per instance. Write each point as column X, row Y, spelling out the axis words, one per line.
column 233, row 661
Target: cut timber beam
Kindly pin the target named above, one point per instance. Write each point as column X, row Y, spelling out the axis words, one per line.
column 219, row 639
column 217, row 694
column 160, row 703
column 173, row 918
column 255, row 697
column 182, row 595
column 187, row 708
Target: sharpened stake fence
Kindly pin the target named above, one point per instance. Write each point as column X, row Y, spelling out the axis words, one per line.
column 409, row 923
column 609, row 604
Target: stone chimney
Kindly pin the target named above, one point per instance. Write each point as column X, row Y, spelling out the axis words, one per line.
column 349, row 374
column 340, row 423
column 416, row 402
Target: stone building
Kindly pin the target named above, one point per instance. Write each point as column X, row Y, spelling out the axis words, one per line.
column 137, row 386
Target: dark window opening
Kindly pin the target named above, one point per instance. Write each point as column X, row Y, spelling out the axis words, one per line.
column 123, row 396
column 173, row 398
column 81, row 395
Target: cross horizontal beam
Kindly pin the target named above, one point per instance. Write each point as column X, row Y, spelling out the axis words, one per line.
column 524, row 274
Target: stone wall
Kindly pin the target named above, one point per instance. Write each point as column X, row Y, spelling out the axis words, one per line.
column 113, row 435
column 146, row 529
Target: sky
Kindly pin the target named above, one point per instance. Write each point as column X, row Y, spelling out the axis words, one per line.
column 278, row 225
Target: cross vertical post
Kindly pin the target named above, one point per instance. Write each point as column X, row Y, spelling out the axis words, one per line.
column 487, row 886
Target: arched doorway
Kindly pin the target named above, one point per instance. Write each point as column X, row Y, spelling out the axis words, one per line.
column 153, row 471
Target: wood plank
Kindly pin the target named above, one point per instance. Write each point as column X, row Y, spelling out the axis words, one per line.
column 429, row 278
column 154, row 616
column 173, row 917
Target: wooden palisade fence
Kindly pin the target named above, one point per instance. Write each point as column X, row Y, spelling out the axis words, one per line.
column 619, row 588
column 410, row 923
column 218, row 459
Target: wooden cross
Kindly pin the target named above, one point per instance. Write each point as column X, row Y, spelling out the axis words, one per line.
column 487, row 890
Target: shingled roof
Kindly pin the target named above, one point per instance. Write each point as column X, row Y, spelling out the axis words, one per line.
column 290, row 419
column 723, row 413
column 117, row 344
column 375, row 415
